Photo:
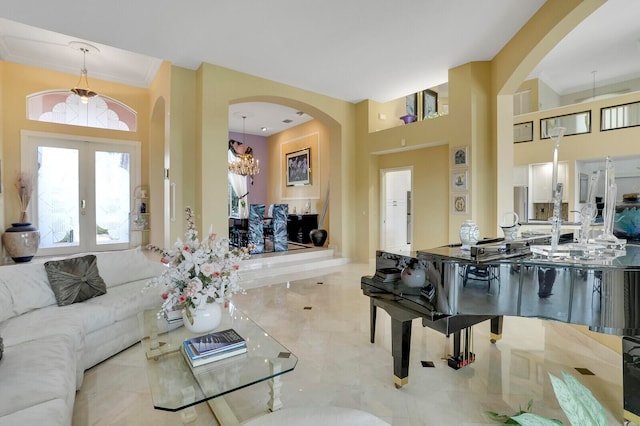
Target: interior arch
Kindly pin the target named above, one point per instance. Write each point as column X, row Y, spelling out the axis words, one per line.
column 334, row 130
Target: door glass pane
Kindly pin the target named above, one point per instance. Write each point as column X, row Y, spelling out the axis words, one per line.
column 112, row 197
column 58, row 214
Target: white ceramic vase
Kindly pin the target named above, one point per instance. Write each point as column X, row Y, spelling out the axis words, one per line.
column 469, row 233
column 205, row 317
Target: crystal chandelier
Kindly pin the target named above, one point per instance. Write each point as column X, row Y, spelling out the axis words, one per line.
column 246, row 164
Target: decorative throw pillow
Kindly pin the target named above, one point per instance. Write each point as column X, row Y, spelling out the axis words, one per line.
column 75, row 279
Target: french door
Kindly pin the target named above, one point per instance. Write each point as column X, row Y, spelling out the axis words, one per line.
column 83, row 189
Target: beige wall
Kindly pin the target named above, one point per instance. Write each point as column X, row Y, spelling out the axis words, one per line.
column 430, row 187
column 18, row 81
column 314, row 135
column 216, row 89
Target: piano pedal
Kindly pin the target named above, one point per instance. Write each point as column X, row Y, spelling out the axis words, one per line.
column 457, row 362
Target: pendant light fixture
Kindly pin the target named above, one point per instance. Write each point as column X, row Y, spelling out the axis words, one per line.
column 82, row 87
column 246, row 164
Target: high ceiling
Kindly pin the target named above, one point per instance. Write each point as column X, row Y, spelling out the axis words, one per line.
column 350, row 50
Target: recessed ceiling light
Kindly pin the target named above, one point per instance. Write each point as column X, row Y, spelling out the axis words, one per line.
column 300, row 113
column 264, row 129
column 287, row 120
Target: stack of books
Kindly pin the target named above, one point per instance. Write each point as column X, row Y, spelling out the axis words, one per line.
column 212, row 347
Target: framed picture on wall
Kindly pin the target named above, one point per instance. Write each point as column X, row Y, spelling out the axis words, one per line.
column 459, row 180
column 429, row 103
column 412, row 104
column 298, row 167
column 460, row 156
column 459, row 203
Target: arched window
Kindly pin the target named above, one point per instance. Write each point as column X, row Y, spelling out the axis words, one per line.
column 61, row 106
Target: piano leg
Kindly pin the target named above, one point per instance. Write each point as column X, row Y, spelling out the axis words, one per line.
column 400, row 348
column 373, row 310
column 496, row 329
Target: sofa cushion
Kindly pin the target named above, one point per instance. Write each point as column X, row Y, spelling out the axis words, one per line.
column 23, row 288
column 75, row 279
column 53, row 412
column 38, row 371
column 56, row 321
column 129, row 299
column 123, row 266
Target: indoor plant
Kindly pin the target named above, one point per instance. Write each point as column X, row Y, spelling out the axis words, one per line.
column 200, row 276
column 577, row 402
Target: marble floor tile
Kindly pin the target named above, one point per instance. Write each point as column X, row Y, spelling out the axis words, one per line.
column 339, row 366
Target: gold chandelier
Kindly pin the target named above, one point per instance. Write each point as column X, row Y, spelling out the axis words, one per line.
column 246, row 164
column 84, row 92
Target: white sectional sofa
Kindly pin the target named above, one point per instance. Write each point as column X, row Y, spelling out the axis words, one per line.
column 48, row 347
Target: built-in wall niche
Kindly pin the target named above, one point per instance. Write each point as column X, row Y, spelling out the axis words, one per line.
column 574, row 124
column 620, row 116
column 307, row 187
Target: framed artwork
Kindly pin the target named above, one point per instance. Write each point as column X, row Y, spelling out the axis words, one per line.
column 459, row 203
column 298, row 167
column 429, row 103
column 459, row 180
column 460, row 156
column 412, row 104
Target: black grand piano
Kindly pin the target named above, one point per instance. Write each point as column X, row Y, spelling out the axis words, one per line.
column 494, row 279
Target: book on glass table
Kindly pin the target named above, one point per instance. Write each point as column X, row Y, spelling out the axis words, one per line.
column 196, row 361
column 216, row 342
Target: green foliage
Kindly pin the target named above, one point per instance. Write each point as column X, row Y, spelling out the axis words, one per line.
column 506, row 419
column 577, row 402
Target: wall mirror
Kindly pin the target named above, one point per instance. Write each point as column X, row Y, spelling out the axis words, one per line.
column 575, row 124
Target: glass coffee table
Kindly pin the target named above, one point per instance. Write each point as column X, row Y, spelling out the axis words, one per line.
column 176, row 386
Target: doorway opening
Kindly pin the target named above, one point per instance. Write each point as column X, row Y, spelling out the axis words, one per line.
column 396, row 213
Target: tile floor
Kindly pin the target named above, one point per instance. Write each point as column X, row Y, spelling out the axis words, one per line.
column 338, row 366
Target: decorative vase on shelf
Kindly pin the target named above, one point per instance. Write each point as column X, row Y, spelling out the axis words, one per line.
column 205, row 317
column 21, row 241
column 409, row 118
column 469, row 233
column 413, row 275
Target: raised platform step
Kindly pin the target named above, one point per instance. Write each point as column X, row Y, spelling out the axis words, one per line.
column 271, row 268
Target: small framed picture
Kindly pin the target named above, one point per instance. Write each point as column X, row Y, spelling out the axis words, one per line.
column 412, row 104
column 459, row 180
column 298, row 167
column 459, row 203
column 460, row 156
column 429, row 103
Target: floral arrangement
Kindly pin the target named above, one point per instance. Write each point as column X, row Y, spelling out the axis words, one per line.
column 198, row 270
column 24, row 185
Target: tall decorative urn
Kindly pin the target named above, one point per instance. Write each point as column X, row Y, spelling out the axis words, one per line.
column 21, row 241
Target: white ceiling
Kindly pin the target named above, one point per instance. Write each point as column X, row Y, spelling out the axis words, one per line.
column 354, row 50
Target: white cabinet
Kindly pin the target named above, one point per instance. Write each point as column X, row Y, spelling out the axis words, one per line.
column 541, row 178
column 521, row 175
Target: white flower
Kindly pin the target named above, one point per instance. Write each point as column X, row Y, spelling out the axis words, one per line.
column 199, row 269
